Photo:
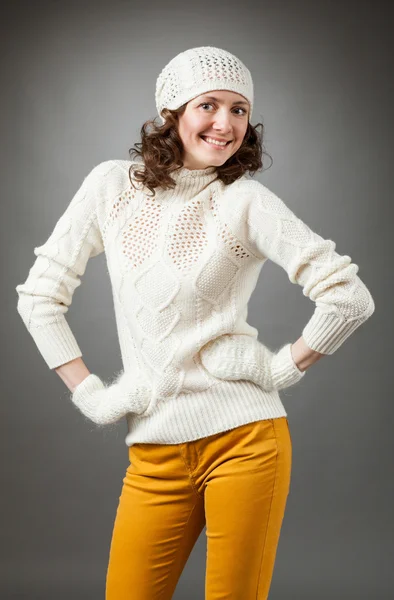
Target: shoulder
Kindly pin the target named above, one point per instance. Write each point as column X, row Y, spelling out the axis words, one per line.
column 243, row 192
column 111, row 168
column 254, row 194
column 110, row 177
column 246, row 200
column 247, row 186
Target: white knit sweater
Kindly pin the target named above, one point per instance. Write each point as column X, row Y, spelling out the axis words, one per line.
column 183, row 266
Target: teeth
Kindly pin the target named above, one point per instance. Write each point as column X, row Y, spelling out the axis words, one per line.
column 211, row 141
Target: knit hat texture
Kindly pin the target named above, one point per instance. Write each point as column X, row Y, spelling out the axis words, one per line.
column 200, row 70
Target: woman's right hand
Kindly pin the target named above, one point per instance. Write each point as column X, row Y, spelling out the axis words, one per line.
column 107, row 404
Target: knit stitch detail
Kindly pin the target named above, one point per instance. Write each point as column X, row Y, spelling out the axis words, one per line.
column 234, row 357
column 182, row 268
column 200, row 70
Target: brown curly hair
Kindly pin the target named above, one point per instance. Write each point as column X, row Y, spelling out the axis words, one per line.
column 161, row 150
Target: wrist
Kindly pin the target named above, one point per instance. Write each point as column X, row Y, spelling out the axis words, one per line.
column 73, row 373
column 73, row 386
column 300, row 362
column 304, row 356
column 83, row 392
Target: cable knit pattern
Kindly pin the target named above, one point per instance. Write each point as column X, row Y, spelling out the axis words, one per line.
column 183, row 266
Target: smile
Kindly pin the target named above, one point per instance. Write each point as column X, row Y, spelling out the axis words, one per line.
column 215, row 144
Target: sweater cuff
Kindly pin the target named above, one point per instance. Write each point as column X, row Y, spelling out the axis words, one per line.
column 325, row 332
column 284, row 370
column 56, row 343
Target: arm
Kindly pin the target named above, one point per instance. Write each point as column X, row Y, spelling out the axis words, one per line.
column 330, row 280
column 46, row 295
column 269, row 229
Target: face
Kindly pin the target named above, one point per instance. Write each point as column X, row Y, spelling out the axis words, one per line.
column 223, row 118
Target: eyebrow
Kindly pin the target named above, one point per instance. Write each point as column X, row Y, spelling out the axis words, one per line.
column 220, row 101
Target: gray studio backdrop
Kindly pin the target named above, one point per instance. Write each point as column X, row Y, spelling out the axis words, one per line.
column 78, row 83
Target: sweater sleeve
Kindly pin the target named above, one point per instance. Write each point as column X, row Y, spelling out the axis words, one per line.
column 329, row 279
column 46, row 295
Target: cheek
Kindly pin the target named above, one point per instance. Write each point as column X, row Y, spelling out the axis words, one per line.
column 241, row 136
column 191, row 131
column 186, row 135
column 197, row 123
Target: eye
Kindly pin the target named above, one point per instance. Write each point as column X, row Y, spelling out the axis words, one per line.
column 244, row 112
column 206, row 104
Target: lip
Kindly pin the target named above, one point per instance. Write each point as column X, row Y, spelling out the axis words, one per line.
column 222, row 148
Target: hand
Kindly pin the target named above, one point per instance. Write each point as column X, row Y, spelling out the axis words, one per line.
column 107, row 404
column 239, row 356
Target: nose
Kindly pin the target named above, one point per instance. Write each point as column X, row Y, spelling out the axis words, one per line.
column 222, row 122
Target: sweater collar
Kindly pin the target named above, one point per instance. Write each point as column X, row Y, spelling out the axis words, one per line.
column 190, row 182
column 184, row 173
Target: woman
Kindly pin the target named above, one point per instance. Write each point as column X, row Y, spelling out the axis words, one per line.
column 186, row 233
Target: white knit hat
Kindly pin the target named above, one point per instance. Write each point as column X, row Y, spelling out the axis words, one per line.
column 199, row 70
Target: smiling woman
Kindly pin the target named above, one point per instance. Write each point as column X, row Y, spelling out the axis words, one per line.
column 221, row 129
column 208, row 436
column 192, row 135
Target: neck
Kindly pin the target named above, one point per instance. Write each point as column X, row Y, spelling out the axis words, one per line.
column 190, row 182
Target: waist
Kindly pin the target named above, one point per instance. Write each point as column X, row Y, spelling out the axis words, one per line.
column 190, row 416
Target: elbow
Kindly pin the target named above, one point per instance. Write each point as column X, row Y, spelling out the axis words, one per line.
column 364, row 306
column 371, row 306
column 24, row 307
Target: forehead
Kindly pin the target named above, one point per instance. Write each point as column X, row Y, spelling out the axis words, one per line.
column 222, row 96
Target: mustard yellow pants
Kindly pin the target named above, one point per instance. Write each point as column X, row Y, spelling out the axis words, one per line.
column 235, row 482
